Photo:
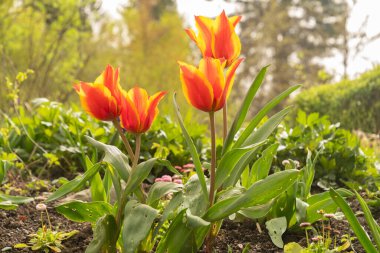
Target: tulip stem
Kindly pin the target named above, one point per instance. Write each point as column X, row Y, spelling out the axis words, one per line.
column 137, row 151
column 124, row 139
column 225, row 124
column 213, row 159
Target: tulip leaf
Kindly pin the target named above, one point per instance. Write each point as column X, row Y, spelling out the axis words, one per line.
column 229, row 160
column 80, row 211
column 244, row 108
column 7, row 205
column 105, row 238
column 141, row 172
column 361, row 234
column 259, row 193
column 98, row 193
column 137, row 223
column 15, row 199
column 261, row 114
column 192, row 150
column 74, row 184
column 113, row 156
column 159, row 190
column 370, row 220
column 185, row 234
column 257, row 136
column 260, row 169
column 257, row 212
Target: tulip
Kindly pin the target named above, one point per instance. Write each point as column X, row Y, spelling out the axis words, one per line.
column 217, row 38
column 207, row 87
column 139, row 110
column 102, row 99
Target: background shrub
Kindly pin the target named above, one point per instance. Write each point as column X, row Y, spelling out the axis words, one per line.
column 353, row 103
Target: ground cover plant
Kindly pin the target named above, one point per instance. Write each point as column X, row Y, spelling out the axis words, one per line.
column 155, row 186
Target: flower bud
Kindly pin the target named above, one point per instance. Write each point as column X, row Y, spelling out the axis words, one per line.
column 41, row 207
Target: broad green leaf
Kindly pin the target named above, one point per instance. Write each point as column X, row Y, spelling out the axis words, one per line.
column 159, row 190
column 80, row 211
column 293, row 247
column 362, row 236
column 141, row 172
column 326, row 195
column 244, row 108
column 260, row 169
column 193, row 151
column 229, row 161
column 74, row 184
column 259, row 193
column 370, row 220
column 181, row 235
column 276, row 228
column 15, row 199
column 193, row 197
column 114, row 156
column 264, row 111
column 104, row 239
column 138, row 220
column 98, row 192
column 257, row 212
column 168, row 165
column 257, row 136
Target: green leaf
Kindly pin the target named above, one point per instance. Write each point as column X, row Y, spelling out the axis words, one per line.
column 257, row 136
column 168, row 165
column 192, row 150
column 370, row 220
column 276, row 228
column 137, row 223
column 141, row 172
column 114, row 156
column 259, row 193
column 257, row 212
column 7, row 205
column 159, row 190
column 80, row 211
column 105, row 238
column 193, row 197
column 98, row 192
column 20, row 246
column 260, row 169
column 74, row 184
column 244, row 108
column 181, row 235
column 264, row 111
column 355, row 225
column 229, row 161
column 15, row 199
column 293, row 247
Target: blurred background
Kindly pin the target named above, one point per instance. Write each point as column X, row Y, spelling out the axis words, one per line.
column 62, row 41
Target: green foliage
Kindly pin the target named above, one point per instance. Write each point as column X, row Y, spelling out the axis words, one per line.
column 341, row 157
column 353, row 103
column 47, row 239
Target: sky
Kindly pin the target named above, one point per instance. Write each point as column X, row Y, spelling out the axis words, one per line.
column 362, row 62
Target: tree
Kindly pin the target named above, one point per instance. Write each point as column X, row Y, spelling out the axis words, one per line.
column 291, row 35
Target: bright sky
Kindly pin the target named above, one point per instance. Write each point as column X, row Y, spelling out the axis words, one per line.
column 362, row 62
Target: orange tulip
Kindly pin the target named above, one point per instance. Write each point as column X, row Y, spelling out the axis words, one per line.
column 139, row 109
column 206, row 87
column 217, row 38
column 102, row 99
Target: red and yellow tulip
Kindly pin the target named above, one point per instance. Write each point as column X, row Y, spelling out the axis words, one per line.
column 102, row 99
column 207, row 87
column 139, row 109
column 217, row 38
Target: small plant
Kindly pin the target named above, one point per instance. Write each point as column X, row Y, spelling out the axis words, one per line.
column 321, row 238
column 46, row 238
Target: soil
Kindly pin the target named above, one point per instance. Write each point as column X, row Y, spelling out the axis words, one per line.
column 16, row 225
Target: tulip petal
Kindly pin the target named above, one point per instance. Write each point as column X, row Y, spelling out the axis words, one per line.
column 197, row 89
column 213, row 69
column 230, row 76
column 234, row 20
column 205, row 36
column 97, row 101
column 129, row 117
column 140, row 98
column 152, row 110
column 190, row 32
column 226, row 43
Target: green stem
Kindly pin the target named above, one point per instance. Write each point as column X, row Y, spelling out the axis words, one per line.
column 213, row 159
column 225, row 124
column 124, row 139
